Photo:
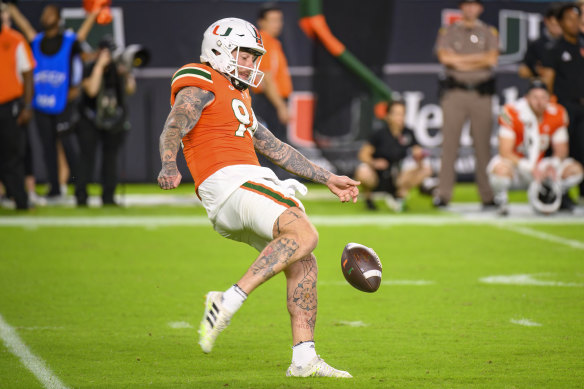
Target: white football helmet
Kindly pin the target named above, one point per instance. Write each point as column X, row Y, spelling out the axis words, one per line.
column 222, row 43
column 545, row 197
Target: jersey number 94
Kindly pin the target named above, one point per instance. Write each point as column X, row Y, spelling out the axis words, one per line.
column 242, row 114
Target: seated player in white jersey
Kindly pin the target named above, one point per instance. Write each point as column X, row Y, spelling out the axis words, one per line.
column 212, row 117
column 528, row 128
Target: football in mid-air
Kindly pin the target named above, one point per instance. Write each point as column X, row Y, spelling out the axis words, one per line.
column 361, row 267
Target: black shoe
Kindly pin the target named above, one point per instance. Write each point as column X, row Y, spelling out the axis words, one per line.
column 81, row 201
column 490, row 206
column 438, row 202
column 370, row 205
column 567, row 203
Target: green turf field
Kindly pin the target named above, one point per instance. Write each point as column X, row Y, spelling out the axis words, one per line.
column 118, row 306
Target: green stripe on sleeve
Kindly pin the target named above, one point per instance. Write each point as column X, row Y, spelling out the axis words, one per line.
column 194, row 72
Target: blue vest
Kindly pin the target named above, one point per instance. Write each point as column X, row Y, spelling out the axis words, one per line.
column 51, row 75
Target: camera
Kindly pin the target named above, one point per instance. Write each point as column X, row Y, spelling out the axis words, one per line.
column 132, row 56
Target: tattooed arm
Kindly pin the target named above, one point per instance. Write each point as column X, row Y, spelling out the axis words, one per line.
column 186, row 112
column 287, row 157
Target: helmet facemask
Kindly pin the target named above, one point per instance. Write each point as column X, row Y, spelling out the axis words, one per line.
column 255, row 77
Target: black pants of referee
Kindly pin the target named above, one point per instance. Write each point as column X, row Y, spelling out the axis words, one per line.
column 47, row 126
column 576, row 134
column 12, row 146
column 111, row 141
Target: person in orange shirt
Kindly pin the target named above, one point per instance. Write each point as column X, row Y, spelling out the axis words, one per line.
column 57, row 79
column 271, row 97
column 212, row 117
column 16, row 67
column 528, row 128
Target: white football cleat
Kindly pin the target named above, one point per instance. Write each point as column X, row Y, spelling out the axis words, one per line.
column 316, row 368
column 215, row 319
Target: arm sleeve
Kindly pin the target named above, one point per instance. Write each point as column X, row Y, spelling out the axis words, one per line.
column 560, row 135
column 374, row 139
column 24, row 62
column 191, row 75
column 507, row 123
column 441, row 40
column 506, row 133
column 530, row 59
column 492, row 39
column 76, row 71
column 506, row 118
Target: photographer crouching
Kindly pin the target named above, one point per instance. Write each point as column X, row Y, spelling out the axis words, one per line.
column 106, row 83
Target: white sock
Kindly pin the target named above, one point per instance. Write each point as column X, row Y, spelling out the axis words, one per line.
column 233, row 298
column 499, row 183
column 303, row 353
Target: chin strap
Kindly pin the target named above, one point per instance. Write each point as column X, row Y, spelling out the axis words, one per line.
column 238, row 84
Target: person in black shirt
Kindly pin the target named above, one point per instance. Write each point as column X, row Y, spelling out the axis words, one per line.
column 565, row 76
column 103, row 119
column 537, row 51
column 385, row 160
column 57, row 77
column 581, row 5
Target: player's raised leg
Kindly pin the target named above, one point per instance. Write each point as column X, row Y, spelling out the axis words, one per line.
column 294, row 238
column 302, row 301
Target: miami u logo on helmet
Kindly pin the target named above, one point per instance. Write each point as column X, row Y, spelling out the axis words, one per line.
column 227, row 32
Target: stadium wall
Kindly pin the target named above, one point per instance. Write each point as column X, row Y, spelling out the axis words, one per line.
column 403, row 58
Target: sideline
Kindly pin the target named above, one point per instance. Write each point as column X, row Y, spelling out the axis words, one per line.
column 319, row 220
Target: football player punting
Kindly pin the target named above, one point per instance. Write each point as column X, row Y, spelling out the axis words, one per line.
column 528, row 128
column 213, row 117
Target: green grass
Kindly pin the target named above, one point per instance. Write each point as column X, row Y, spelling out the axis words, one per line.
column 95, row 304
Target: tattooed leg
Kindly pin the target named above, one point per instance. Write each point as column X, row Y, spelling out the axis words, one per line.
column 302, row 299
column 295, row 238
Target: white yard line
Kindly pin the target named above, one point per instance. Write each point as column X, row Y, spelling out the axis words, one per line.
column 544, row 236
column 527, row 279
column 320, row 220
column 525, row 322
column 179, row 324
column 352, row 323
column 33, row 363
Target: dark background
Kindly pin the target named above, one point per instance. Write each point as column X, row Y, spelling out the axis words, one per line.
column 395, row 39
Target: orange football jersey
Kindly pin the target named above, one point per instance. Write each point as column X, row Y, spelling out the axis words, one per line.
column 517, row 117
column 223, row 135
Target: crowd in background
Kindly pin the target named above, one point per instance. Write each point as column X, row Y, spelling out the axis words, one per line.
column 541, row 148
column 77, row 99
